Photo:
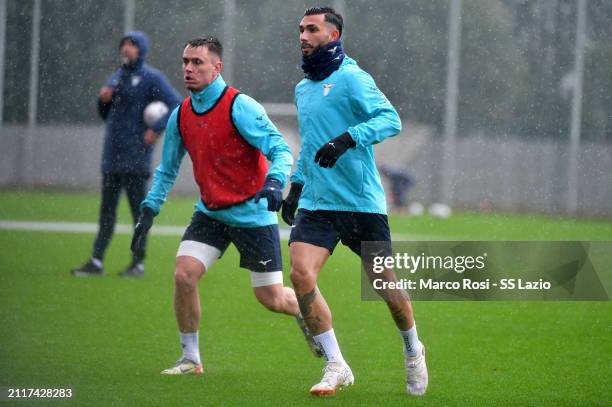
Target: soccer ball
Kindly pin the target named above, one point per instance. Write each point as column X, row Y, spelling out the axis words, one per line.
column 153, row 112
column 439, row 210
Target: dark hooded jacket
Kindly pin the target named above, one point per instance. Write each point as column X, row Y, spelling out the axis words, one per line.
column 134, row 87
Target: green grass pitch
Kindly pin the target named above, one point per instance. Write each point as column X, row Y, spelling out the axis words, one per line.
column 108, row 338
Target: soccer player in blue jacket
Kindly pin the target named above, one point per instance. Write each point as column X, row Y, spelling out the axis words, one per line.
column 337, row 188
column 128, row 144
column 228, row 137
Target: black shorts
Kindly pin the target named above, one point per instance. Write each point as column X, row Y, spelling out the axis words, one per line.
column 259, row 247
column 327, row 228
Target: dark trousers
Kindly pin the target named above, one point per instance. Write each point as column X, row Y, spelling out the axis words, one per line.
column 136, row 187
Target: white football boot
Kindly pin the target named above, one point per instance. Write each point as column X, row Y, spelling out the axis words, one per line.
column 416, row 374
column 335, row 376
column 183, row 366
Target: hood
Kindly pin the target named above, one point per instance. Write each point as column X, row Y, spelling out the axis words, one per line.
column 142, row 41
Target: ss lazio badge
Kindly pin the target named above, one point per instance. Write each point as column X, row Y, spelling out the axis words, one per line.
column 327, row 87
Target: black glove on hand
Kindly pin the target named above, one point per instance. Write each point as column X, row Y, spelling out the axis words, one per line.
column 273, row 192
column 290, row 203
column 333, row 149
column 145, row 221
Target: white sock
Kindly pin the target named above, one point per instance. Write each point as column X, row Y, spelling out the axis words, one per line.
column 412, row 345
column 96, row 262
column 191, row 348
column 329, row 345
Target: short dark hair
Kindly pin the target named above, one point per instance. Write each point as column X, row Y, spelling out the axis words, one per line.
column 130, row 40
column 212, row 43
column 330, row 16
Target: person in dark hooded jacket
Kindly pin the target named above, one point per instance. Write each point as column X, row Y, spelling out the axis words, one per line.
column 128, row 143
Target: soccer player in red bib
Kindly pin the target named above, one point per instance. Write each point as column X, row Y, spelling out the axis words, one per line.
column 229, row 138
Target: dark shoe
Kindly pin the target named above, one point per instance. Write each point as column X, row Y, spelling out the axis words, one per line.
column 87, row 270
column 134, row 270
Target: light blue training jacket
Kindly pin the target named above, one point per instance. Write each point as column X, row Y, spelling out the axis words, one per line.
column 347, row 100
column 261, row 134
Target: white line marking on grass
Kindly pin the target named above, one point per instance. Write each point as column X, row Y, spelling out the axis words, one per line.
column 82, row 227
column 161, row 230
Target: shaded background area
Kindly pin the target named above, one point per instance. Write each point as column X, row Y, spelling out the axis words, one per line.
column 516, row 83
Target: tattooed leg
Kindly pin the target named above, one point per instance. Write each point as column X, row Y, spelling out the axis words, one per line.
column 315, row 311
column 402, row 314
column 396, row 299
column 306, row 263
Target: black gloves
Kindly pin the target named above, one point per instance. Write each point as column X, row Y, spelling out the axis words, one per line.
column 273, row 192
column 333, row 149
column 145, row 221
column 290, row 203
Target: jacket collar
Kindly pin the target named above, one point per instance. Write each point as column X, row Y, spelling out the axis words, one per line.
column 205, row 98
